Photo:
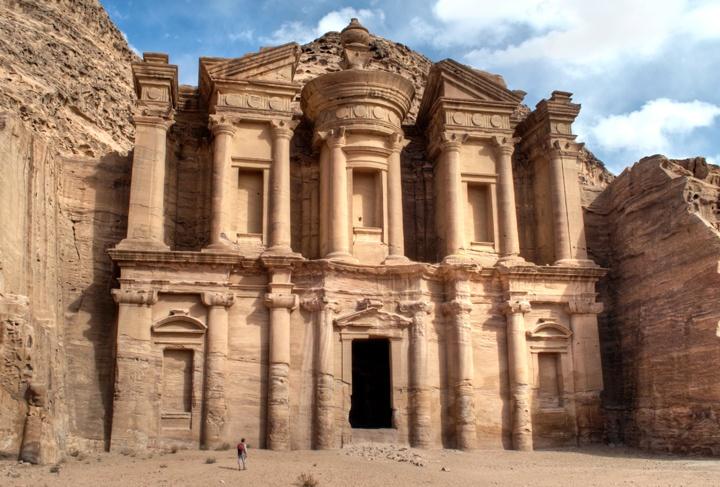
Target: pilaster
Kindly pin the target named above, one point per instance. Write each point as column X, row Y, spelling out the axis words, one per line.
column 396, row 233
column 515, row 309
column 279, row 237
column 222, row 235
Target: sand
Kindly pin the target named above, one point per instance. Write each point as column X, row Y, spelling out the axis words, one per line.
column 373, row 466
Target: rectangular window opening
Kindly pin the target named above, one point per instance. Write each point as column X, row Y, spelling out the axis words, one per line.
column 479, row 214
column 177, row 381
column 367, row 201
column 250, row 202
column 550, row 378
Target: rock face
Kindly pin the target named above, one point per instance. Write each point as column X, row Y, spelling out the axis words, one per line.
column 65, row 133
column 656, row 228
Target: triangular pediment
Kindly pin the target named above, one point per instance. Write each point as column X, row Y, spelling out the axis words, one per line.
column 372, row 318
column 269, row 64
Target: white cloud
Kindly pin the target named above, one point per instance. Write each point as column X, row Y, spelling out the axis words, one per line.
column 582, row 37
column 243, row 36
column 658, row 126
column 132, row 48
column 335, row 20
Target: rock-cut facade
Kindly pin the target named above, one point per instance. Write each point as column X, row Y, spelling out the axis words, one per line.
column 284, row 299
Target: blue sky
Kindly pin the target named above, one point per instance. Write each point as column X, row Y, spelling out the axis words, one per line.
column 647, row 72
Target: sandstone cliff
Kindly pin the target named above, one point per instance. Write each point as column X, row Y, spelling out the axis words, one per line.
column 656, row 229
column 65, row 133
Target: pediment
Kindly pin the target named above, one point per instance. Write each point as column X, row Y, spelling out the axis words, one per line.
column 549, row 330
column 372, row 318
column 269, row 64
column 179, row 324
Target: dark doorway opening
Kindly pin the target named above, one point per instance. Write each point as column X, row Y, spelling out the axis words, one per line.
column 370, row 405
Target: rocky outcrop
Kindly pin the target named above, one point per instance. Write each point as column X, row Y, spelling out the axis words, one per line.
column 656, row 229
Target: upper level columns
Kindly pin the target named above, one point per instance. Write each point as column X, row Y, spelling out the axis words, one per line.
column 221, row 234
column 279, row 235
column 396, row 235
column 509, row 241
column 338, row 229
column 452, row 193
column 561, row 230
column 519, row 374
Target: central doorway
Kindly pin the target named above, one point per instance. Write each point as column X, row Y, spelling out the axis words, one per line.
column 371, row 405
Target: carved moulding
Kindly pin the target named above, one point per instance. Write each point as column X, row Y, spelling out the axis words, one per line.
column 276, row 300
column 135, row 296
column 223, row 299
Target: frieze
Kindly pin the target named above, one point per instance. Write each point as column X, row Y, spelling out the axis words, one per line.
column 254, row 102
column 479, row 120
column 158, row 94
column 359, row 112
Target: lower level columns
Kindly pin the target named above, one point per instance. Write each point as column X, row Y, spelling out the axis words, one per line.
column 459, row 310
column 325, row 310
column 519, row 374
column 133, row 404
column 420, row 420
column 281, row 302
column 215, row 360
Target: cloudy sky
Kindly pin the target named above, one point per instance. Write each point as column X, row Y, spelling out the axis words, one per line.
column 647, row 72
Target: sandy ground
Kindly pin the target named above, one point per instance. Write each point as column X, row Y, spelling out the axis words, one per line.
column 373, row 466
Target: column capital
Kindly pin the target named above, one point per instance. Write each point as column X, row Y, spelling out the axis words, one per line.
column 514, row 306
column 415, row 307
column 135, row 296
column 153, row 116
column 282, row 128
column 584, row 306
column 560, row 148
column 317, row 303
column 220, row 124
column 505, row 145
column 396, row 142
column 275, row 300
column 451, row 141
column 334, row 137
column 214, row 299
column 456, row 307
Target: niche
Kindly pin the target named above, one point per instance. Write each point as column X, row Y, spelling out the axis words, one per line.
column 550, row 380
column 177, row 381
column 367, row 200
column 250, row 202
column 479, row 228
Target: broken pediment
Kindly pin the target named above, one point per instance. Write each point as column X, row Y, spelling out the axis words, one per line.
column 269, row 64
column 372, row 318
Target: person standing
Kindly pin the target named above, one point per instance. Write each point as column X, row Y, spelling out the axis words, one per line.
column 242, row 453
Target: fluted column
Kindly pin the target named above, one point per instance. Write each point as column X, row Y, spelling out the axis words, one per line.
column 587, row 368
column 134, row 402
column 279, row 237
column 452, row 194
column 420, row 420
column 146, row 214
column 561, row 230
column 278, row 414
column 221, row 232
column 215, row 365
column 396, row 235
column 338, row 217
column 466, row 434
column 519, row 374
column 324, row 311
column 509, row 240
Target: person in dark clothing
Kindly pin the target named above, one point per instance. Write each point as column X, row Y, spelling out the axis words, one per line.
column 242, row 453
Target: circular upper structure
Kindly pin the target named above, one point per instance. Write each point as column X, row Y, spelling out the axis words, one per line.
column 355, row 33
column 365, row 100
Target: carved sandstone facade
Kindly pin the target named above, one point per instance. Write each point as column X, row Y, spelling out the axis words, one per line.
column 301, row 321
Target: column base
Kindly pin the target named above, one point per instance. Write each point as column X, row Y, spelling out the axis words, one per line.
column 142, row 244
column 456, row 259
column 511, row 261
column 341, row 257
column 575, row 263
column 396, row 260
column 220, row 248
column 281, row 251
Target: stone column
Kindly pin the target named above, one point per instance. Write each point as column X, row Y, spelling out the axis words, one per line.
column 279, row 238
column 215, row 362
column 134, row 404
column 519, row 374
column 560, row 208
column 325, row 311
column 146, row 214
column 223, row 185
column 509, row 240
column 325, row 199
column 338, row 224
column 281, row 302
column 459, row 310
column 421, row 422
column 396, row 235
column 452, row 192
column 587, row 368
